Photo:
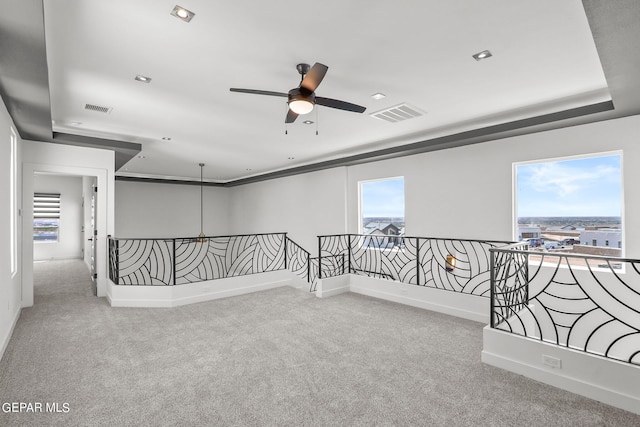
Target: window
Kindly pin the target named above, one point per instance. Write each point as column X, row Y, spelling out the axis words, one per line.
column 382, row 210
column 46, row 217
column 13, row 201
column 570, row 200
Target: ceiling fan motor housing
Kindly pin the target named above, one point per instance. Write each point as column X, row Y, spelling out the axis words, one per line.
column 302, row 94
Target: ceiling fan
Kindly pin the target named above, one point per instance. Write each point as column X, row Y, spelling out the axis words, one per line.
column 302, row 98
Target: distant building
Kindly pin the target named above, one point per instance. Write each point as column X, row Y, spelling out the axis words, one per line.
column 605, row 237
column 382, row 229
column 528, row 232
column 564, row 228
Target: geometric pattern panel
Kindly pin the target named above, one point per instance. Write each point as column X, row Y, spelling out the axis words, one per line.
column 298, row 261
column 591, row 304
column 414, row 260
column 145, row 262
column 231, row 256
column 168, row 262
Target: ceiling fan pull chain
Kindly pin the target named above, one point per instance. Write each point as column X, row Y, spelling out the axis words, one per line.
column 286, row 126
column 317, row 121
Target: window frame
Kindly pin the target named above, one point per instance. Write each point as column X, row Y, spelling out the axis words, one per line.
column 55, row 214
column 569, row 158
column 361, row 204
column 13, row 201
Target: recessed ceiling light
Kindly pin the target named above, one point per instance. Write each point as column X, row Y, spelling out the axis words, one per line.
column 75, row 123
column 143, row 79
column 482, row 55
column 378, row 95
column 166, row 138
column 308, row 122
column 182, row 13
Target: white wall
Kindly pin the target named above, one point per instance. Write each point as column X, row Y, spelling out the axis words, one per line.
column 67, row 160
column 69, row 244
column 9, row 283
column 466, row 192
column 169, row 210
column 305, row 206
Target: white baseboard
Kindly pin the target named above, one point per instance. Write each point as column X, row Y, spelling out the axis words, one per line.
column 191, row 293
column 606, row 380
column 471, row 307
column 332, row 286
column 7, row 338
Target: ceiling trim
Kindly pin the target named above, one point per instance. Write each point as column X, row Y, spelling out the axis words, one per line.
column 169, row 181
column 23, row 64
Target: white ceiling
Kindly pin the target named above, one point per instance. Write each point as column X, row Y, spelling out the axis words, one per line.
column 417, row 52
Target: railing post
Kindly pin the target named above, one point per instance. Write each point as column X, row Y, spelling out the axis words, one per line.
column 349, row 252
column 492, row 279
column 319, row 257
column 308, row 267
column 117, row 269
column 417, row 260
column 285, row 250
column 526, row 272
column 174, row 262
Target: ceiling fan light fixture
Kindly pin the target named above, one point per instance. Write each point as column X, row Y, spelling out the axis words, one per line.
column 301, row 106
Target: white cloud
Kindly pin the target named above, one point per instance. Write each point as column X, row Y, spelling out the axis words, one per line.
column 565, row 181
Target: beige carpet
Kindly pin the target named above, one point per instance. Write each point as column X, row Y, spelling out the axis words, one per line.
column 275, row 358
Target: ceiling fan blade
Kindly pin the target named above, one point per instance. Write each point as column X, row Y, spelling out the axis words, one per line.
column 258, row 92
column 340, row 105
column 291, row 117
column 313, row 78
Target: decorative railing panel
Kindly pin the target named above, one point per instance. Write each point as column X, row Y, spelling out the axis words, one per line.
column 471, row 273
column 168, row 262
column 299, row 261
column 455, row 265
column 587, row 303
column 145, row 262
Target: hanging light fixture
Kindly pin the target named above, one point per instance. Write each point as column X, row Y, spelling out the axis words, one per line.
column 201, row 238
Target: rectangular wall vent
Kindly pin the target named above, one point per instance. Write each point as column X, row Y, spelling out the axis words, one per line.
column 98, row 108
column 397, row 113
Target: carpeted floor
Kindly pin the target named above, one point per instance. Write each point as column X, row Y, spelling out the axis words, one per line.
column 275, row 358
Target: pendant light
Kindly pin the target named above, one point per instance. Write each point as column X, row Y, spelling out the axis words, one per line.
column 201, row 238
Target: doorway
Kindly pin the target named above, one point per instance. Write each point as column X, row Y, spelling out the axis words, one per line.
column 65, row 222
column 85, row 241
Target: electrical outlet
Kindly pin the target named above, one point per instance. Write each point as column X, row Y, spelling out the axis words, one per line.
column 551, row 361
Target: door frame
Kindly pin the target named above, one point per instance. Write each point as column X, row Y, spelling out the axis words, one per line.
column 28, row 173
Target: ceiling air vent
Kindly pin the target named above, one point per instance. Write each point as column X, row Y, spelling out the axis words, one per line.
column 397, row 113
column 98, row 108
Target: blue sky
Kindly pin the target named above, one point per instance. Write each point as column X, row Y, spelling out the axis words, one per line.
column 383, row 198
column 578, row 187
